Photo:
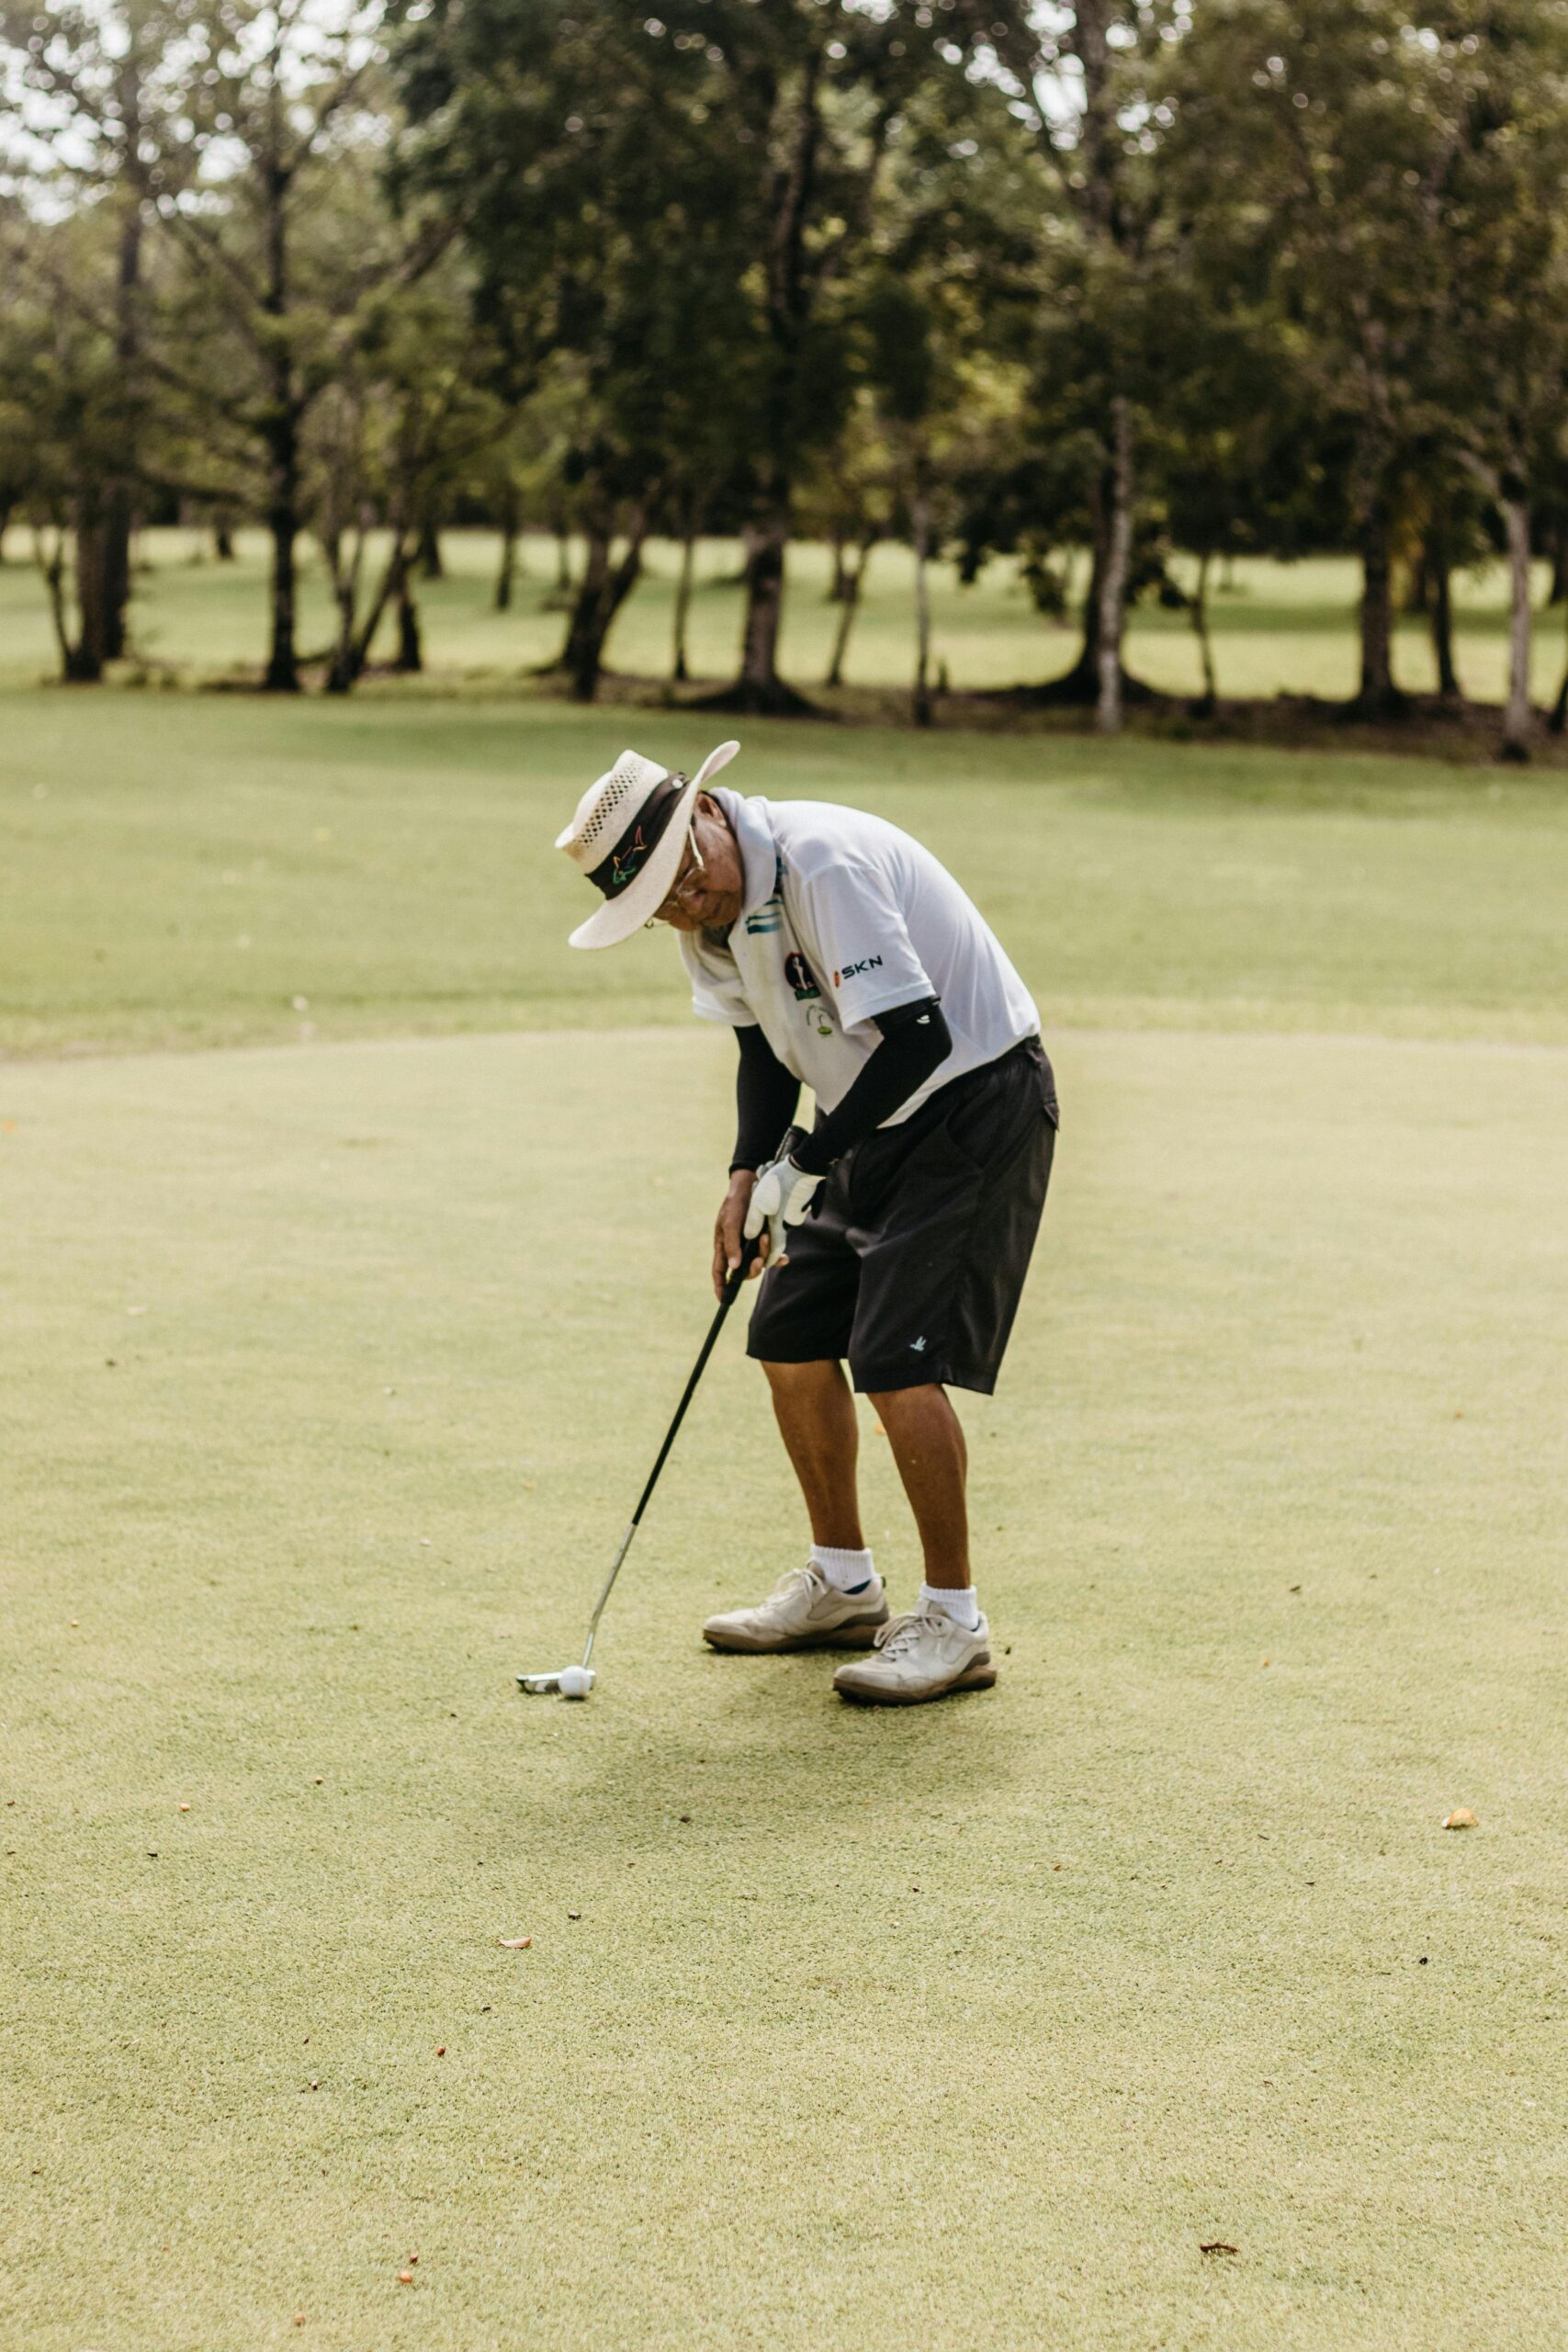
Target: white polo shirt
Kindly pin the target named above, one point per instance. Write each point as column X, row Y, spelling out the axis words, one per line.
column 844, row 917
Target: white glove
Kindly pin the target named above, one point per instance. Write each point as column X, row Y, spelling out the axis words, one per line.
column 781, row 1196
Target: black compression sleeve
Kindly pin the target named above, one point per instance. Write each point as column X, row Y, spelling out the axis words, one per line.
column 765, row 1097
column 916, row 1040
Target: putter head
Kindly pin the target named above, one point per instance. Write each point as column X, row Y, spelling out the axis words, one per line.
column 570, row 1681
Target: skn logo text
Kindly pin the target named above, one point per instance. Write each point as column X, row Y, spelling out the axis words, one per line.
column 853, row 971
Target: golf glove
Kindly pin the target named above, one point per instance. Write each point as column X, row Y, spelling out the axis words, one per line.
column 782, row 1195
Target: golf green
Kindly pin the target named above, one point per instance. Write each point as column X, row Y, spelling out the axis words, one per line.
column 1142, row 2001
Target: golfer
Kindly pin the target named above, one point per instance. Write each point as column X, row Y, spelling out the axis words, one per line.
column 896, row 1234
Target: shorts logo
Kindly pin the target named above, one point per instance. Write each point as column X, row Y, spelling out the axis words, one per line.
column 853, row 971
column 797, row 972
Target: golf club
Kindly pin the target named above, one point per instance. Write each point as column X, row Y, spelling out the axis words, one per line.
column 576, row 1681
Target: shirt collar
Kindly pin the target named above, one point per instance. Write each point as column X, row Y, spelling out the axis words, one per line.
column 758, row 850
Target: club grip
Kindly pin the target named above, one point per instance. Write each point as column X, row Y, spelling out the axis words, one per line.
column 751, row 1250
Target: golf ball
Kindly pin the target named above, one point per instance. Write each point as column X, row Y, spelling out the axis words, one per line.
column 576, row 1681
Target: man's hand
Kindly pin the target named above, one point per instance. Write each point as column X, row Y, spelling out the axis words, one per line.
column 781, row 1197
column 727, row 1242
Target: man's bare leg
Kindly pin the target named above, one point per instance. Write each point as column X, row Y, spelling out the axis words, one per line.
column 816, row 1415
column 926, row 1438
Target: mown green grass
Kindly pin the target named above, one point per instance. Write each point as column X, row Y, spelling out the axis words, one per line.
column 333, row 1366
column 1278, row 627
column 329, row 1379
column 178, row 869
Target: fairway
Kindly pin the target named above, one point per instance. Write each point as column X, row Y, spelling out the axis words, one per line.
column 334, row 1361
column 182, row 870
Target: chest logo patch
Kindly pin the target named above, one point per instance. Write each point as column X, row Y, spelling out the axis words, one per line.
column 797, row 972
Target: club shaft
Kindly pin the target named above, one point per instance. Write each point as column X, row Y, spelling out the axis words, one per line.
column 731, row 1293
column 727, row 1296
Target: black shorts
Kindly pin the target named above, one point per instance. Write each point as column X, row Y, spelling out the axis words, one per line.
column 913, row 1264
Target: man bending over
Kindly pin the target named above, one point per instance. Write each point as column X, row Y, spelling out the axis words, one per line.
column 896, row 1234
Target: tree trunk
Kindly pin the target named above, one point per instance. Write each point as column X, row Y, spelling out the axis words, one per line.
column 605, row 587
column 1518, row 718
column 563, row 560
column 854, row 581
column 343, row 670
column 1441, row 621
column 582, row 654
column 507, row 571
column 117, row 571
column 1378, row 697
column 759, row 687
column 52, row 567
column 283, row 522
column 1559, row 717
column 346, row 659
column 409, row 660
column 1198, row 608
column 839, row 589
column 1081, row 684
column 223, row 541
column 282, row 435
column 921, row 515
column 431, row 566
column 678, row 669
column 117, row 515
column 1559, row 564
column 351, row 651
column 1418, row 584
column 84, row 661
column 1118, row 564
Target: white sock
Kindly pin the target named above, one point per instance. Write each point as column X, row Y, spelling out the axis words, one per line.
column 959, row 1601
column 845, row 1571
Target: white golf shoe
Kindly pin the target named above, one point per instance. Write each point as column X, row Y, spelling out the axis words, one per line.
column 803, row 1612
column 922, row 1656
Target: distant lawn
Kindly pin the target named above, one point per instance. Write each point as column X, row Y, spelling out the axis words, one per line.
column 182, row 869
column 1278, row 628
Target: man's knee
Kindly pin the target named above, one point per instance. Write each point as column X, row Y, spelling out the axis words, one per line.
column 783, row 1376
column 889, row 1403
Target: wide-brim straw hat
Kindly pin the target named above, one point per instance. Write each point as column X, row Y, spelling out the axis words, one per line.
column 627, row 836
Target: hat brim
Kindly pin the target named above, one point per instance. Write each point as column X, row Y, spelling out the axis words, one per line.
column 618, row 918
column 640, row 900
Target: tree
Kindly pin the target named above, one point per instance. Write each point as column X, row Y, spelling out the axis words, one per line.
column 850, row 499
column 243, row 163
column 1501, row 362
column 1084, row 81
column 818, row 94
column 89, row 74
column 68, row 417
column 388, row 438
column 1340, row 127
column 625, row 162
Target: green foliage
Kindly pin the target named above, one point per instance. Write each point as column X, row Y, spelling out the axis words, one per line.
column 1144, row 279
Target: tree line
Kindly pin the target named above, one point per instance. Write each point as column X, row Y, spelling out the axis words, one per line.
column 987, row 276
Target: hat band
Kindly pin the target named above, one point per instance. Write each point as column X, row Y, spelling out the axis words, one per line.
column 620, row 869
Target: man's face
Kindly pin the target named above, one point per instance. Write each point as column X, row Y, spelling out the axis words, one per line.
column 710, row 880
